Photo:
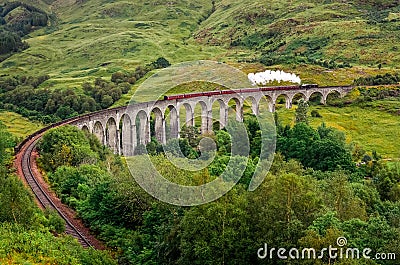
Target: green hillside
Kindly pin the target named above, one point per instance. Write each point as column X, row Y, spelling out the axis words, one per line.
column 96, row 38
column 373, row 129
column 348, row 32
column 17, row 125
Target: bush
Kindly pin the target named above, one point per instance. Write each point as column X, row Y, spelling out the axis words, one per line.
column 10, row 42
column 386, row 79
column 322, row 149
column 161, row 62
column 55, row 223
column 315, row 114
column 67, row 146
column 21, row 245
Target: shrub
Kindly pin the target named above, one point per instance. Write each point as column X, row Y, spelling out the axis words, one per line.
column 315, row 114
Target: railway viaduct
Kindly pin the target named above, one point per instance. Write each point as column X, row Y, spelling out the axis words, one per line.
column 123, row 129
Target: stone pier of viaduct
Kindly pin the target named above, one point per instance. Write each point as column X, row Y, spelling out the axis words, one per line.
column 123, row 129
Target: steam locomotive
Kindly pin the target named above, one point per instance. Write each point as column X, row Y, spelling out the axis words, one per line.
column 234, row 91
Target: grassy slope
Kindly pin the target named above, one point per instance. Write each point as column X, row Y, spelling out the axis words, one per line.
column 370, row 128
column 345, row 31
column 98, row 37
column 42, row 4
column 18, row 125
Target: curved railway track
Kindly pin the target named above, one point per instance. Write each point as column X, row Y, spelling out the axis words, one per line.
column 25, row 152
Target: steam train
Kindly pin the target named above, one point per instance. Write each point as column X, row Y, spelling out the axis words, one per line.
column 234, row 91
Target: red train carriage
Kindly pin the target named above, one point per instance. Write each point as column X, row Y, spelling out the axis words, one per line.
column 249, row 90
column 232, row 91
column 267, row 88
column 192, row 95
column 272, row 88
column 174, row 97
column 213, row 93
column 225, row 92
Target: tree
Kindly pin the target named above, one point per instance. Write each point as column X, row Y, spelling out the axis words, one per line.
column 161, row 235
column 224, row 142
column 297, row 142
column 313, row 239
column 180, row 148
column 322, row 149
column 106, row 101
column 10, row 42
column 283, row 206
column 66, row 145
column 6, row 142
column 192, row 134
column 64, row 112
column 72, row 183
column 375, row 234
column 161, row 62
column 217, row 232
column 340, row 197
column 117, row 77
column 386, row 180
column 301, row 111
column 328, row 155
column 16, row 202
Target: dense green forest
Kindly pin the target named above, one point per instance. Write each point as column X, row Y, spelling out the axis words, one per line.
column 313, row 194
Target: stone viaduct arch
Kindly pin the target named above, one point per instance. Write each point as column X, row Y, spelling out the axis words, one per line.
column 123, row 129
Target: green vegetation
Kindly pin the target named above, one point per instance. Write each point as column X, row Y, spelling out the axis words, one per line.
column 84, row 44
column 27, row 234
column 21, row 245
column 301, row 111
column 302, row 202
column 18, row 19
column 66, row 146
column 89, row 39
column 368, row 117
column 361, row 126
column 22, row 94
column 386, row 79
column 327, row 33
column 322, row 149
column 17, row 125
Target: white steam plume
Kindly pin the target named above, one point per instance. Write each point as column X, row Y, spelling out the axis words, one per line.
column 262, row 78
